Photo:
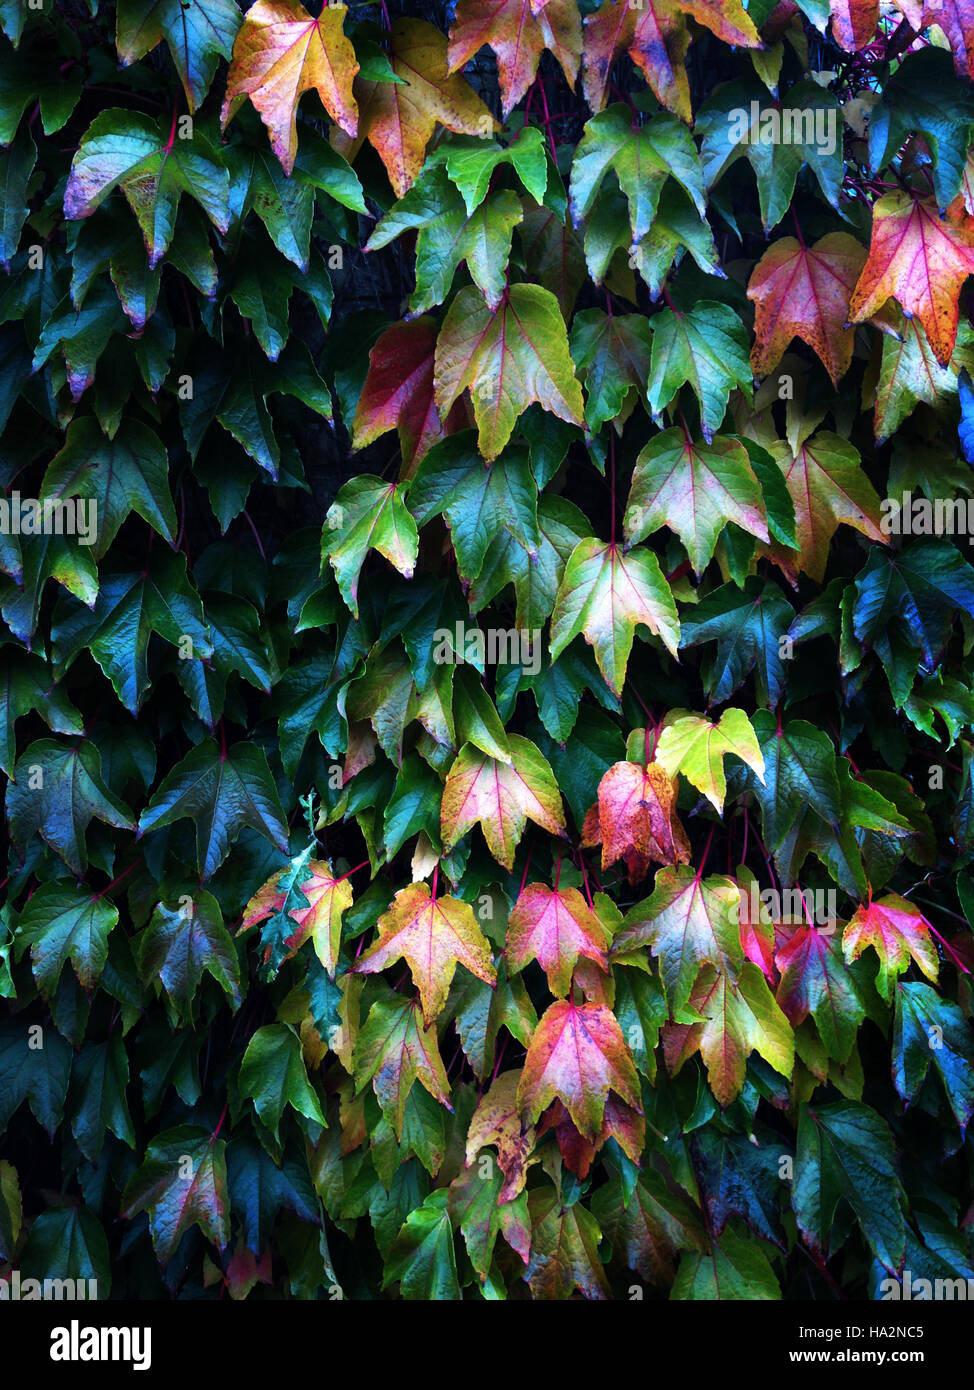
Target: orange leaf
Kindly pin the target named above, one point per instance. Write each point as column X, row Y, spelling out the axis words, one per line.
column 502, row 798
column 637, row 816
column 896, row 930
column 327, row 897
column 554, row 927
column 398, row 118
column 577, row 1054
column 497, row 1121
column 922, row 261
column 518, row 32
column 803, row 292
column 433, row 935
column 280, row 53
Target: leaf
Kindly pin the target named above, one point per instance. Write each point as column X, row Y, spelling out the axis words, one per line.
column 470, row 164
column 636, row 819
column 695, row 489
column 433, row 935
column 507, row 360
column 738, row 1018
column 554, row 927
column 222, row 792
column 518, row 31
column 922, row 260
column 124, row 149
column 691, row 744
column 689, row 922
column 929, row 1029
column 127, row 473
column 422, row 1257
column 564, row 1250
column 705, row 347
column 27, row 684
column 734, row 1269
column 16, row 167
column 642, row 158
column 318, row 918
column 280, row 53
column 897, row 931
column 56, row 791
column 747, row 626
column 68, row 1243
column 37, row 1074
column 846, row 1153
column 180, row 943
column 923, row 97
column 259, row 1190
column 498, row 1121
column 910, row 373
column 197, row 32
column 367, row 514
column 816, row 981
column 501, row 797
column 394, row 1049
column 98, row 1081
column 613, row 355
column 474, row 1206
column 799, row 777
column 59, row 923
column 181, row 1183
column 399, row 118
column 803, row 292
column 828, row 487
column 918, row 591
column 648, row 1229
column 577, row 1054
column 273, row 1075
column 604, row 595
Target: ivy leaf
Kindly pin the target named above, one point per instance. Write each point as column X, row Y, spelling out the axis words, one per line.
column 198, row 33
column 367, row 514
column 691, row 744
column 433, row 935
column 846, row 1153
column 923, row 260
column 695, row 489
column 738, row 1018
column 222, row 792
column 642, row 158
column 399, row 118
column 909, row 373
column 259, row 1190
column 124, row 149
column 734, row 1268
column 280, row 53
column 82, row 335
column 564, row 1249
column 55, row 792
column 518, row 31
column 706, row 347
column 27, row 684
column 475, row 1206
column 127, row 473
column 181, row 1183
column 422, row 1256
column 924, row 97
column 478, row 500
column 555, row 927
column 180, row 943
column 498, row 1121
column 636, row 819
column 927, row 1029
column 39, row 1075
column 604, row 595
column 803, row 292
column 506, row 359
column 828, row 487
column 689, row 922
column 98, row 1081
column 799, row 777
column 471, row 162
column 501, row 797
column 68, row 1243
column 60, row 923
column 816, row 981
column 576, row 1055
column 16, row 167
column 919, row 589
column 613, row 355
column 896, row 930
column 273, row 1075
column 394, row 1049
column 747, row 626
column 312, row 904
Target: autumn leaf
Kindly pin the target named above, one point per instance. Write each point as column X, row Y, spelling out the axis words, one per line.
column 577, row 1054
column 398, row 118
column 280, row 53
column 696, row 489
column 181, row 1183
column 197, row 32
column 564, row 1249
column 554, row 927
column 395, row 1049
column 506, row 359
column 518, row 31
column 688, row 922
column 497, row 1121
column 636, row 819
column 604, row 594
column 803, row 292
column 501, row 797
column 815, row 980
column 897, row 931
column 321, row 920
column 920, row 259
column 433, row 935
column 691, row 744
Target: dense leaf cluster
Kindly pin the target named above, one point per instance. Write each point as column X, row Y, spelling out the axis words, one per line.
column 485, row 689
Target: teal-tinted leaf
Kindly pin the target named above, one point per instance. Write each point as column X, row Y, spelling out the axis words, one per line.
column 55, row 792
column 273, row 1074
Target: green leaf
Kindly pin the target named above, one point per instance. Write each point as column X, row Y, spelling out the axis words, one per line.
column 273, row 1075
column 16, row 166
column 612, row 356
column 98, row 1103
column 60, row 923
column 924, row 97
column 198, row 34
column 747, row 627
column 706, row 347
column 27, row 684
column 930, row 1029
column 367, row 514
column 68, row 1243
column 182, row 1183
column 422, row 1257
column 180, row 943
column 470, row 163
column 55, row 792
